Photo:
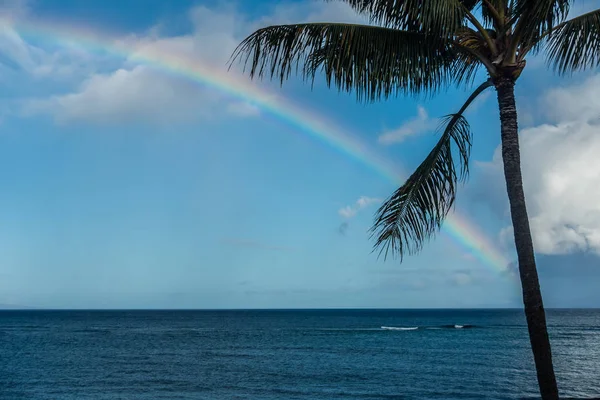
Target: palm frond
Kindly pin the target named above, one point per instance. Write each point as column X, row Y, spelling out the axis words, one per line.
column 438, row 17
column 487, row 8
column 374, row 62
column 466, row 68
column 494, row 12
column 417, row 209
column 468, row 38
column 575, row 44
column 470, row 4
column 536, row 18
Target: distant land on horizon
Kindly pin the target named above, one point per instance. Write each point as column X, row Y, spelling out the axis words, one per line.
column 16, row 307
column 9, row 307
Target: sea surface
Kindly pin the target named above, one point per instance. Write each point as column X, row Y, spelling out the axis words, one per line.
column 307, row 354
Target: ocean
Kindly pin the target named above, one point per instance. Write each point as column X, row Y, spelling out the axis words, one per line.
column 299, row 354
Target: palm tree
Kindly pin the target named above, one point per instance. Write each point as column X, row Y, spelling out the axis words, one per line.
column 420, row 47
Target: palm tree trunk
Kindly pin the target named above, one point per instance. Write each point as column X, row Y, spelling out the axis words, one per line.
column 532, row 297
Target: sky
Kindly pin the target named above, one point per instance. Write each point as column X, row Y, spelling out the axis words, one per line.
column 137, row 171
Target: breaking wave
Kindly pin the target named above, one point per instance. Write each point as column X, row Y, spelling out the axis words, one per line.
column 457, row 326
column 400, row 328
column 413, row 328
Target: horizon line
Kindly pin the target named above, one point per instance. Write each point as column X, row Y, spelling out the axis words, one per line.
column 23, row 308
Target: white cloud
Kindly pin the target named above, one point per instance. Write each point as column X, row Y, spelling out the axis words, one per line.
column 573, row 103
column 347, row 211
column 139, row 94
column 27, row 69
column 362, row 202
column 561, row 172
column 67, row 62
column 419, row 124
column 135, row 92
column 15, row 50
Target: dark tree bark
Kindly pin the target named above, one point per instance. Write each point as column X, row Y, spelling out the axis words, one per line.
column 532, row 296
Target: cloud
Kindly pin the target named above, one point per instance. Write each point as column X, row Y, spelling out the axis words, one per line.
column 139, row 94
column 419, row 124
column 63, row 63
column 16, row 53
column 136, row 92
column 561, row 172
column 350, row 211
column 579, row 102
column 347, row 212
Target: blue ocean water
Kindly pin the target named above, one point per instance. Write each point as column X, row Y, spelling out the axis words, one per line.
column 308, row 354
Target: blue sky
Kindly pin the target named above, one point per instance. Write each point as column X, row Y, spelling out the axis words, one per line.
column 125, row 186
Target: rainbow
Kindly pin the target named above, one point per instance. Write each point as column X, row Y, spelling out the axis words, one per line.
column 310, row 123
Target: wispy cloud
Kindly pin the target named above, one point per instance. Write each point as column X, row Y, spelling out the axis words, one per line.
column 348, row 212
column 351, row 210
column 417, row 125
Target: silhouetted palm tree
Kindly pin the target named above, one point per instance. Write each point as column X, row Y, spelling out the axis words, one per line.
column 416, row 47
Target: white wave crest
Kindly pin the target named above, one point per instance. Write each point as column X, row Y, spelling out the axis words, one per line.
column 400, row 328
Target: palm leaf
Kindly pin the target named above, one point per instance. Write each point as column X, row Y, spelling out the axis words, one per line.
column 374, row 62
column 489, row 10
column 418, row 208
column 575, row 44
column 535, row 19
column 437, row 17
column 470, row 4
